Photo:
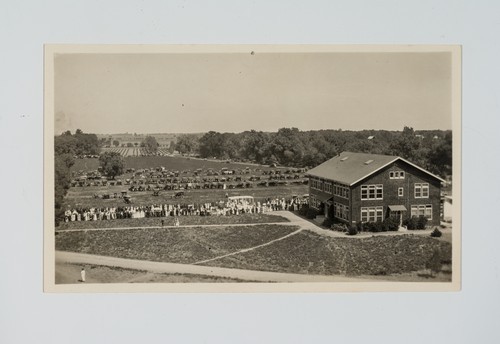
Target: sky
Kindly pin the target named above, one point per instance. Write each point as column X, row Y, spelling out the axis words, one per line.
column 234, row 92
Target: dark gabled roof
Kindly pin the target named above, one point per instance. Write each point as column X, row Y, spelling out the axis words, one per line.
column 349, row 168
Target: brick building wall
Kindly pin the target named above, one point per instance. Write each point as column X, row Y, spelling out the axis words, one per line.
column 391, row 196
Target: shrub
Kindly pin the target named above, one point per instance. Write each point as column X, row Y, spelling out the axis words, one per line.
column 311, row 213
column 303, row 209
column 352, row 230
column 416, row 222
column 359, row 226
column 379, row 226
column 434, row 263
column 421, row 222
column 436, row 233
column 391, row 224
column 369, row 226
column 374, row 227
column 410, row 223
column 327, row 222
column 339, row 227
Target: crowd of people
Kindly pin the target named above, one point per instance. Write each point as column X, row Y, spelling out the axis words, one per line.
column 223, row 208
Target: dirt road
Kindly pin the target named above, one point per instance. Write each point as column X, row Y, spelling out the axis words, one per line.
column 157, row 267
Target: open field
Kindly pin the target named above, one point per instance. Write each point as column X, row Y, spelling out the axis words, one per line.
column 311, row 253
column 84, row 197
column 169, row 162
column 184, row 221
column 304, row 252
column 70, row 274
column 177, row 245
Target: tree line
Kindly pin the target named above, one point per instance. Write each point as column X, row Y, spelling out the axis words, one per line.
column 430, row 149
column 66, row 147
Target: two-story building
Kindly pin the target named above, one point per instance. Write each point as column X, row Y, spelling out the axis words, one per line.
column 360, row 187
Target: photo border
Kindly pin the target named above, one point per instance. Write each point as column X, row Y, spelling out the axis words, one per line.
column 51, row 50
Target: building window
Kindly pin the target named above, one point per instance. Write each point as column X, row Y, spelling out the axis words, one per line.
column 341, row 191
column 341, row 211
column 397, row 175
column 421, row 190
column 422, row 210
column 372, row 214
column 400, row 192
column 372, row 192
column 328, row 187
column 313, row 202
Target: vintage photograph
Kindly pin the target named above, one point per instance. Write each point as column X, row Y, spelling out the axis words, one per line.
column 252, row 168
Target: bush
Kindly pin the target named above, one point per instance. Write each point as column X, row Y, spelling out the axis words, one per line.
column 421, row 222
column 391, row 224
column 339, row 227
column 303, row 209
column 352, row 230
column 415, row 222
column 374, row 227
column 434, row 263
column 327, row 222
column 436, row 233
column 311, row 213
column 369, row 227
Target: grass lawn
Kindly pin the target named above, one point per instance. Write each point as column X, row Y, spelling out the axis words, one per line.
column 184, row 220
column 171, row 163
column 308, row 252
column 70, row 274
column 176, row 245
column 84, row 197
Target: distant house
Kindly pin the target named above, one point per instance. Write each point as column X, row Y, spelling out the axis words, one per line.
column 447, row 208
column 360, row 187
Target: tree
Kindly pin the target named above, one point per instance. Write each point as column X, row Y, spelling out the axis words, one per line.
column 129, row 144
column 171, row 147
column 440, row 156
column 286, row 145
column 62, row 178
column 112, row 164
column 211, row 144
column 136, row 144
column 254, row 144
column 116, row 143
column 150, row 144
column 187, row 144
column 81, row 144
column 434, row 263
column 78, row 132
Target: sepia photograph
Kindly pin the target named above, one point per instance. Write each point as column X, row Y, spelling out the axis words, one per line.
column 242, row 168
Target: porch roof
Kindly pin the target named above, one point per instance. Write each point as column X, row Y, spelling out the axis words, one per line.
column 397, row 208
column 323, row 198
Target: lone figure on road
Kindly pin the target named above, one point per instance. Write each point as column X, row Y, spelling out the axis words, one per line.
column 83, row 274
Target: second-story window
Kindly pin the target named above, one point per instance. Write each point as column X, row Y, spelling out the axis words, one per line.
column 421, row 190
column 373, row 192
column 397, row 175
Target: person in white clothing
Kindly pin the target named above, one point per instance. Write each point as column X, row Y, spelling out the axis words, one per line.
column 83, row 274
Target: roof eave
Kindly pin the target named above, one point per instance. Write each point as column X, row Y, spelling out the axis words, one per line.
column 423, row 170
